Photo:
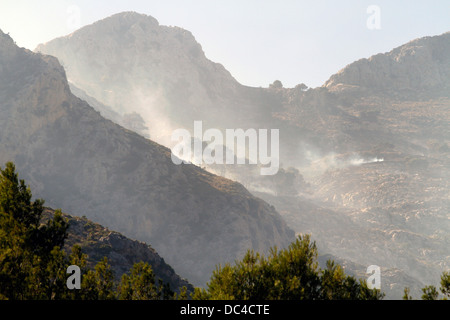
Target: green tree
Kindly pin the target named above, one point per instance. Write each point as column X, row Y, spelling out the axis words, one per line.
column 290, row 274
column 140, row 284
column 77, row 258
column 295, row 272
column 406, row 295
column 336, row 285
column 33, row 263
column 183, row 295
column 430, row 293
column 98, row 284
column 445, row 284
column 31, row 258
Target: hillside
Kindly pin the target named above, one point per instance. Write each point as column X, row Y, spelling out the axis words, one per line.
column 372, row 143
column 75, row 159
column 97, row 242
column 368, row 151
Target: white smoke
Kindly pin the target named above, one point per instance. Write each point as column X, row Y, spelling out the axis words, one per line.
column 360, row 161
column 150, row 104
column 331, row 161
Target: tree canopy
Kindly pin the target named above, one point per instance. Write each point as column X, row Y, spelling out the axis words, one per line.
column 31, row 256
column 289, row 274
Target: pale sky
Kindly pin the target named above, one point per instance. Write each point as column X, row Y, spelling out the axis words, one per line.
column 258, row 41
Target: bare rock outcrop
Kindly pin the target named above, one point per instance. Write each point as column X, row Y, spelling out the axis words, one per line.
column 421, row 64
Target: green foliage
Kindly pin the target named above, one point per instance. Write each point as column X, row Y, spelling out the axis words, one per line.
column 430, row 293
column 336, row 285
column 183, row 295
column 98, row 284
column 445, row 284
column 78, row 258
column 406, row 295
column 291, row 274
column 140, row 284
column 31, row 259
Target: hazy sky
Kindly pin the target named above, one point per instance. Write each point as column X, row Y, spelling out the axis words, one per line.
column 258, row 41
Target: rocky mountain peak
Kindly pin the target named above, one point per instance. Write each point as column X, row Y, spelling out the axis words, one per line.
column 128, row 34
column 420, row 64
column 6, row 42
column 134, row 65
column 119, row 25
column 132, row 17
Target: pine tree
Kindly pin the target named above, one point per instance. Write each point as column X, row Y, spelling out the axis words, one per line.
column 406, row 295
column 33, row 263
column 445, row 284
column 430, row 293
column 183, row 295
column 77, row 258
column 290, row 274
column 140, row 284
column 31, row 258
column 98, row 284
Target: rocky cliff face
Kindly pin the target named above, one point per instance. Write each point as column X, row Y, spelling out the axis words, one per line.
column 421, row 64
column 76, row 160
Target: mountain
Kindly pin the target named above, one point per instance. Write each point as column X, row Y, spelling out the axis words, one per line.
column 97, row 242
column 77, row 160
column 373, row 144
column 132, row 64
column 421, row 64
column 132, row 121
column 365, row 159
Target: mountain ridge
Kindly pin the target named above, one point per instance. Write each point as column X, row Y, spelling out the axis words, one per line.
column 122, row 253
column 419, row 64
column 77, row 160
